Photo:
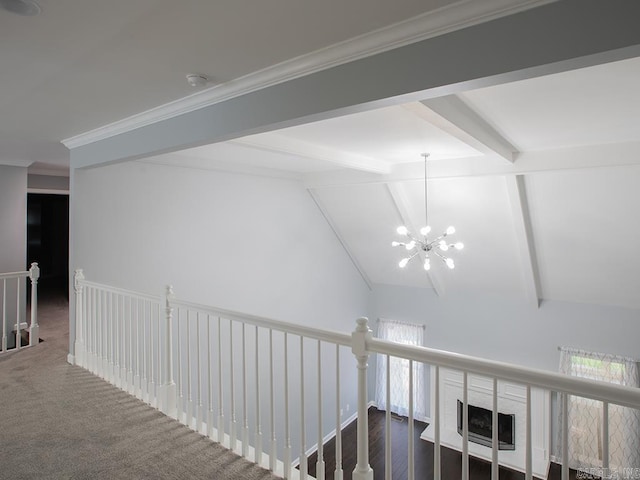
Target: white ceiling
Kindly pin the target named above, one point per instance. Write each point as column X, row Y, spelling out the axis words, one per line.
column 566, row 231
column 538, row 176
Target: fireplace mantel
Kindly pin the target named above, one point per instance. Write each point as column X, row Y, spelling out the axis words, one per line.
column 512, row 400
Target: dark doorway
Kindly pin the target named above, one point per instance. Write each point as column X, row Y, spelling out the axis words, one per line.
column 48, row 241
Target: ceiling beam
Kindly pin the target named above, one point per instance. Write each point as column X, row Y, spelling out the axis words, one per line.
column 597, row 156
column 340, row 238
column 524, row 237
column 279, row 143
column 451, row 114
column 401, row 203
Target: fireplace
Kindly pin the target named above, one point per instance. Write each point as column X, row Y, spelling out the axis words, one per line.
column 481, row 423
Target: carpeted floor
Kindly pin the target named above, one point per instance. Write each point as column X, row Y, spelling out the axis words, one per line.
column 58, row 421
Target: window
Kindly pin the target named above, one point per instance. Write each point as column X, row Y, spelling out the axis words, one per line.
column 585, row 416
column 407, row 334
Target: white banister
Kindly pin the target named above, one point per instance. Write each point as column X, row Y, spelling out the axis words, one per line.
column 4, row 314
column 339, row 473
column 303, row 450
column 411, row 469
column 437, row 470
column 34, row 328
column 320, row 474
column 245, row 412
column 130, row 338
column 80, row 342
column 495, row 468
column 528, row 444
column 169, row 394
column 258, row 431
column 360, row 337
column 465, row 426
column 605, row 436
column 388, row 468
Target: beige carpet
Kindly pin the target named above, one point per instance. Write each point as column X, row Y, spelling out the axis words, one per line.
column 58, row 421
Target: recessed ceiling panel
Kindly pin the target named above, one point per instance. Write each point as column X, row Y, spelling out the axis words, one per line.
column 394, row 134
column 587, row 233
column 588, row 106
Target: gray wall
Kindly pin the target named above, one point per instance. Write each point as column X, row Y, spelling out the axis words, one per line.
column 13, row 232
column 48, row 182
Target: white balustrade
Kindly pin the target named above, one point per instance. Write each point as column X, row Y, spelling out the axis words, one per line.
column 200, row 364
column 13, row 320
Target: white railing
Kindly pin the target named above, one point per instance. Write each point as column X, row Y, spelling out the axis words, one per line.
column 11, row 315
column 260, row 386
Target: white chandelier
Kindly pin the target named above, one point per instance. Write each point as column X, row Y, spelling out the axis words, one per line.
column 437, row 246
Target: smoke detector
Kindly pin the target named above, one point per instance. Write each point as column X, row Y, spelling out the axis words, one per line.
column 197, row 80
column 26, row 8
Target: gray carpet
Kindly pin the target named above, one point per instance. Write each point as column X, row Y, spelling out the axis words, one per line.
column 58, row 421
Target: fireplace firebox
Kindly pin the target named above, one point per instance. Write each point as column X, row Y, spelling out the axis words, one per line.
column 480, row 422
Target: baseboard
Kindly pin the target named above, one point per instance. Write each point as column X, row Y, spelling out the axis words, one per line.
column 71, row 359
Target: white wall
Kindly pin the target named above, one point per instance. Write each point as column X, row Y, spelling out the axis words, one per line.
column 505, row 329
column 13, row 218
column 252, row 244
column 13, row 232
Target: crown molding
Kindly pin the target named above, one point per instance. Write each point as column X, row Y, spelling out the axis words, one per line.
column 15, row 163
column 428, row 25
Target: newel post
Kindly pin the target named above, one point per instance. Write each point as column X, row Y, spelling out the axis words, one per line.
column 78, row 288
column 169, row 400
column 359, row 339
column 34, row 329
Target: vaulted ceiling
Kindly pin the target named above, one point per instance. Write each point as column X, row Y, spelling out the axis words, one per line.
column 539, row 176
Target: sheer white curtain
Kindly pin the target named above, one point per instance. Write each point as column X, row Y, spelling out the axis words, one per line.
column 585, row 415
column 408, row 334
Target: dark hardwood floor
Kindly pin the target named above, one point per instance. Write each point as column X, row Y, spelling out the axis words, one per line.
column 451, row 462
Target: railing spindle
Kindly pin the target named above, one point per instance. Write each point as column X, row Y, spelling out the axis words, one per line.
column 18, row 338
column 565, row 436
column 338, row 475
column 437, row 468
column 4, row 314
column 411, row 452
column 495, row 468
column 303, row 453
column 209, row 381
column 605, row 437
column 258, row 440
column 233, row 431
column 198, row 377
column 527, row 451
column 245, row 414
column 220, row 386
column 189, row 394
column 320, row 458
column 465, row 427
column 387, row 422
column 273, row 456
column 180, row 407
column 287, row 433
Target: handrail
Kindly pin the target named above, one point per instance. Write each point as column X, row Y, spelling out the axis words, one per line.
column 603, row 391
column 15, row 274
column 332, row 336
column 119, row 291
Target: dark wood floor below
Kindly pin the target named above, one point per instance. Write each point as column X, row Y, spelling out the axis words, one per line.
column 451, row 460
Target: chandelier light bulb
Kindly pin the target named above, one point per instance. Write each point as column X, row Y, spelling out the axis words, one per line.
column 402, row 230
column 450, row 264
column 443, row 246
column 451, row 230
column 425, row 230
column 427, row 264
column 403, row 262
column 410, row 245
column 395, row 244
column 459, row 246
